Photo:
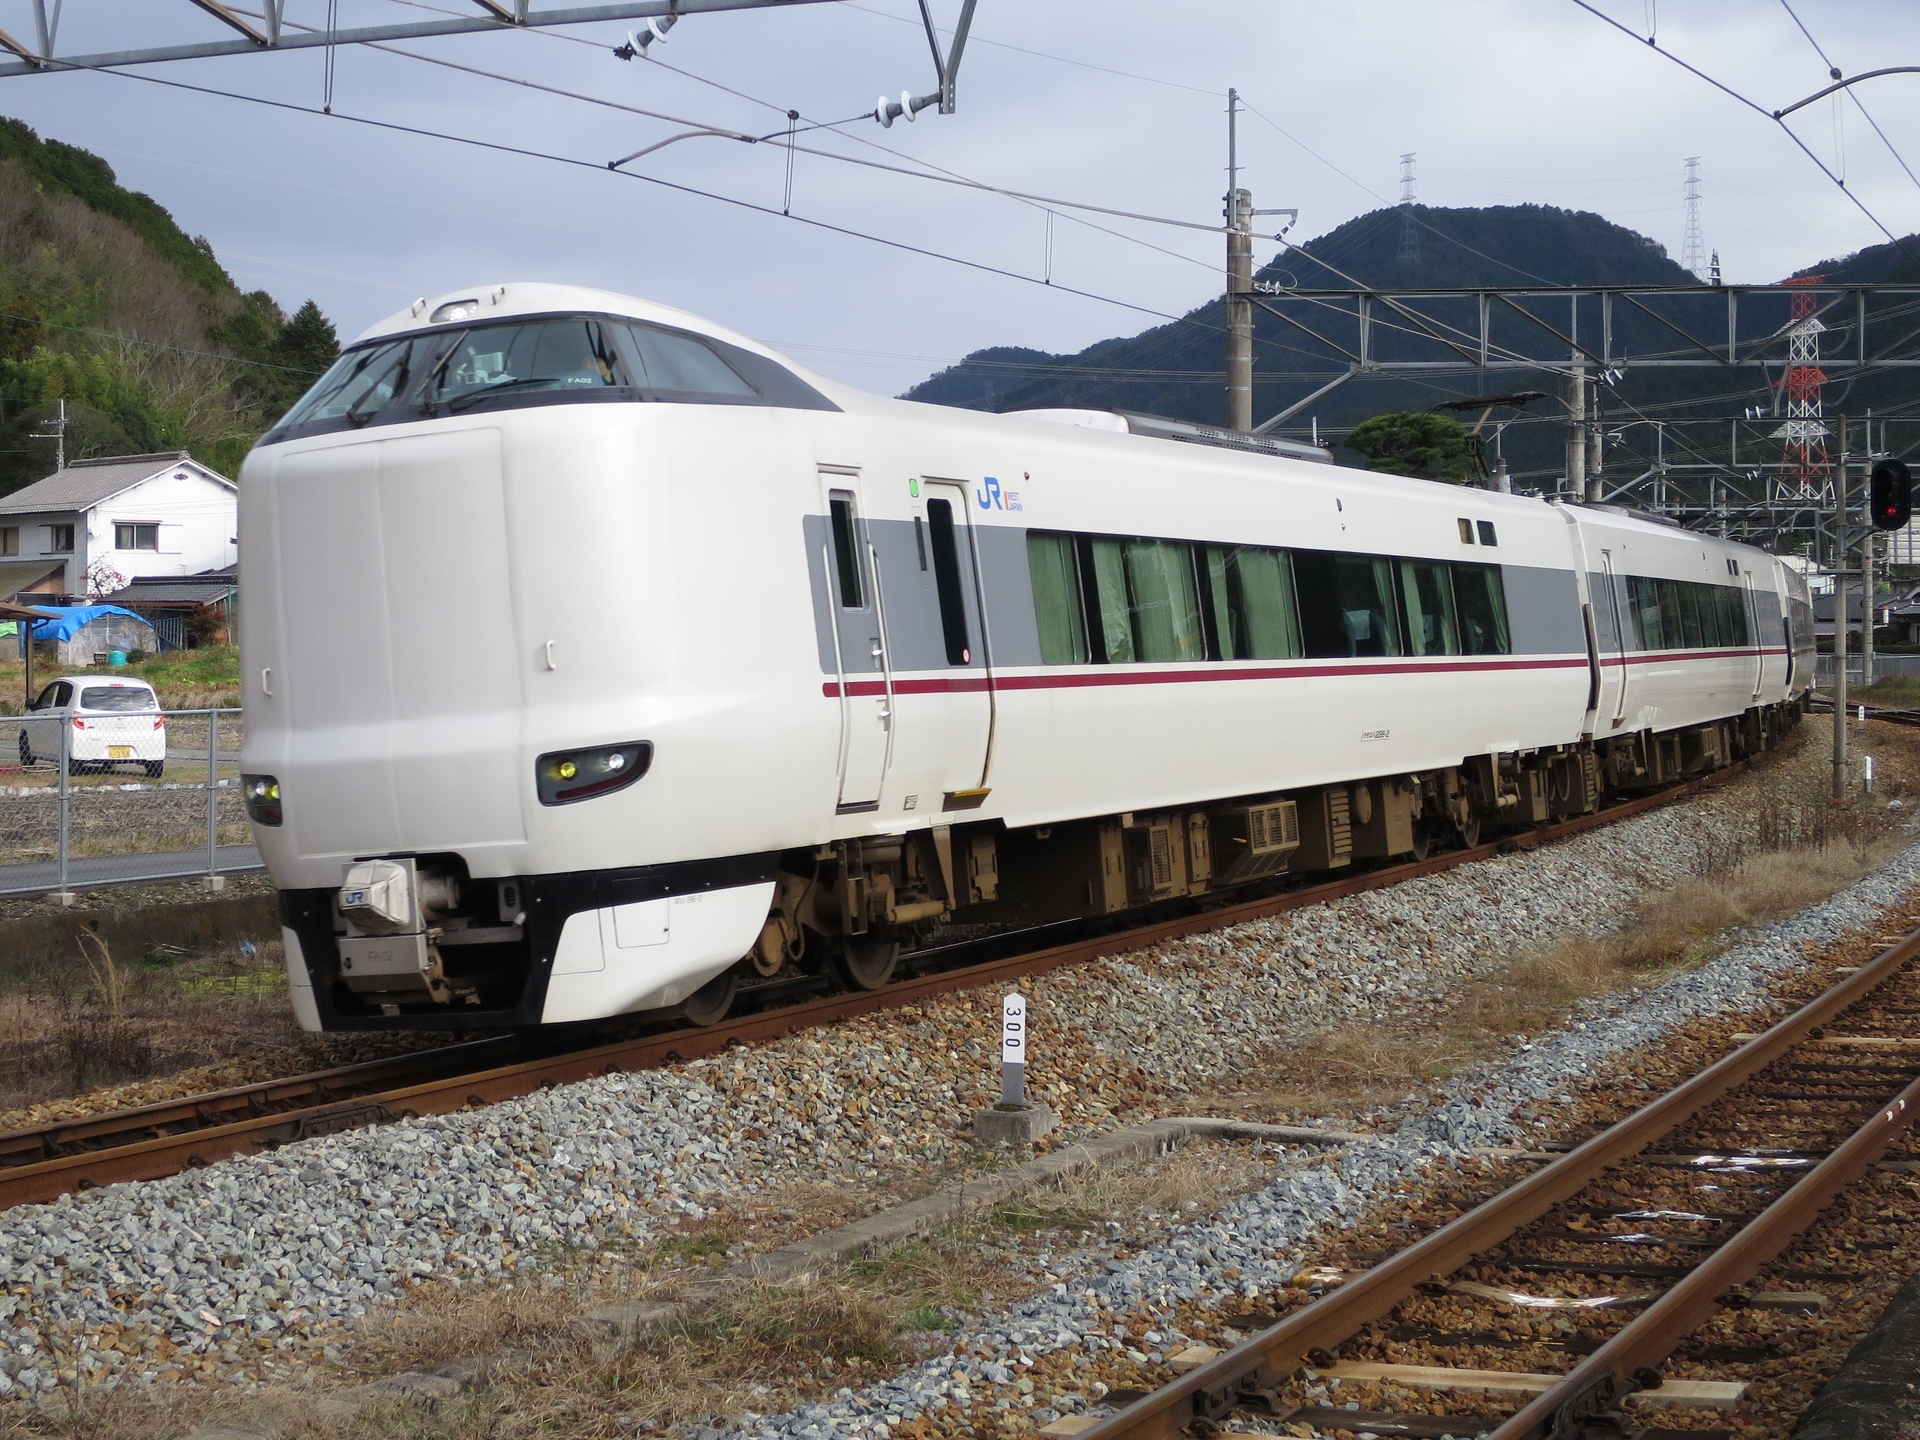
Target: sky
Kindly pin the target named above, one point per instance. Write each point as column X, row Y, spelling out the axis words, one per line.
column 1114, row 103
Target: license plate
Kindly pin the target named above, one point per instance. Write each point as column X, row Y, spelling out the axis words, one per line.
column 119, row 752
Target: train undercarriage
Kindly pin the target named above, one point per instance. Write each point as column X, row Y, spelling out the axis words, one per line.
column 855, row 906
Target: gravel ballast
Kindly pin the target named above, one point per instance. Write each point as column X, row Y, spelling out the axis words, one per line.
column 1255, row 1245
column 233, row 1272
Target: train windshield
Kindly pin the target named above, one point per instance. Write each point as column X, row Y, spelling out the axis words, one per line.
column 557, row 359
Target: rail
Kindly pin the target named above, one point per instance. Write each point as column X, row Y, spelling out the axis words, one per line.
column 45, row 1161
column 1585, row 1401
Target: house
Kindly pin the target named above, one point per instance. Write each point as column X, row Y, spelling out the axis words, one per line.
column 187, row 611
column 1823, row 609
column 94, row 525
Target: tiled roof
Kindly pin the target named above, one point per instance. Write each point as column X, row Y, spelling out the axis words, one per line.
column 171, row 590
column 88, row 482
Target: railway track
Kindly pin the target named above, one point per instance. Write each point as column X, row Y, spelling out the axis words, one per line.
column 1562, row 1306
column 46, row 1161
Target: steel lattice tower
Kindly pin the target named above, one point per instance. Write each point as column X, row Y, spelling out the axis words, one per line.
column 1409, row 233
column 1693, row 249
column 1805, row 433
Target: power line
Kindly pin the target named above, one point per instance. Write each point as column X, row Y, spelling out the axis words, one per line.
column 499, row 147
column 1833, row 72
column 1758, row 109
column 783, row 138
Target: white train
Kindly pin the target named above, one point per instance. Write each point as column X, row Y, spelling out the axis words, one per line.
column 598, row 659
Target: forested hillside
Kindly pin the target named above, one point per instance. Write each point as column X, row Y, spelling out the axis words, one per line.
column 107, row 304
column 1178, row 369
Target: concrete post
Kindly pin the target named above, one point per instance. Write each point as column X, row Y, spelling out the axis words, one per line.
column 1240, row 313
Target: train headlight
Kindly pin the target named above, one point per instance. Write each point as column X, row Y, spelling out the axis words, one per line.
column 262, row 794
column 454, row 310
column 568, row 775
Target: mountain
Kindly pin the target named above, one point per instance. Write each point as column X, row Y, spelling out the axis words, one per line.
column 1178, row 370
column 107, row 304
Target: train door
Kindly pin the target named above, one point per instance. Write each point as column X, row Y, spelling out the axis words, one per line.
column 1753, row 633
column 959, row 738
column 859, row 645
column 1617, row 601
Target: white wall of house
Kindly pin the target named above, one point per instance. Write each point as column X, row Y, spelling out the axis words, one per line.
column 193, row 513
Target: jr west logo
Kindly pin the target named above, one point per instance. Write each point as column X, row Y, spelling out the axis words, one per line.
column 992, row 497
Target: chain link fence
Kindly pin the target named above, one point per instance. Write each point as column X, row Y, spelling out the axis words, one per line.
column 90, row 798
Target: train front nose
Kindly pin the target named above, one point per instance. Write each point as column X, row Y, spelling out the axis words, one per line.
column 393, row 570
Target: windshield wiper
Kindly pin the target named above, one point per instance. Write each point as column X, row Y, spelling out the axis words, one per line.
column 461, row 402
column 353, row 415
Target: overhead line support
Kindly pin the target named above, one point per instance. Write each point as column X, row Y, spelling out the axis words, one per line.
column 252, row 41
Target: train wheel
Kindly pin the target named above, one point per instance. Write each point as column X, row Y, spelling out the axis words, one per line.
column 865, row 964
column 1469, row 833
column 1422, row 839
column 710, row 1003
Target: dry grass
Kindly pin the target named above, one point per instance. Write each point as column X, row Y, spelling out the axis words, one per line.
column 762, row 1348
column 132, row 1021
column 1805, row 850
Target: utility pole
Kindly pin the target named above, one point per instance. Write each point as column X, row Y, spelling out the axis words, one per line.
column 1840, row 620
column 1577, row 432
column 56, row 431
column 1239, row 213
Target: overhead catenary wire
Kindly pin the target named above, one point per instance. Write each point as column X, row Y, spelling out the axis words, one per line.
column 1758, row 109
column 501, row 147
column 1834, row 71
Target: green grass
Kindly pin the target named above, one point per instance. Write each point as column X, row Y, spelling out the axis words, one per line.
column 202, row 669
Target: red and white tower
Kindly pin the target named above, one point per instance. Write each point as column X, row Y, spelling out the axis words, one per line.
column 1805, row 433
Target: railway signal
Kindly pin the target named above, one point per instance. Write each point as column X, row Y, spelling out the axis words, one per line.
column 1890, row 494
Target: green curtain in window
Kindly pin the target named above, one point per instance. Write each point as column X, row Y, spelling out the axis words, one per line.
column 1110, row 582
column 1056, row 599
column 1166, row 605
column 1270, row 624
column 1426, row 586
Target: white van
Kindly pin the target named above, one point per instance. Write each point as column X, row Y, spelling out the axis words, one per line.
column 109, row 722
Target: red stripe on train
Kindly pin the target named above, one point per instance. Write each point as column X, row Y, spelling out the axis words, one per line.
column 1083, row 679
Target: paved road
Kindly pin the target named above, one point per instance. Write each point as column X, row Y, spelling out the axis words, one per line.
column 93, row 870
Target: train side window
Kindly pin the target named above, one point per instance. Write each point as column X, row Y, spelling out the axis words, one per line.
column 946, row 580
column 1056, row 598
column 1673, row 630
column 1165, row 601
column 1323, row 632
column 1714, row 599
column 1254, row 614
column 1364, row 588
column 1690, row 619
column 1742, row 633
column 1644, row 603
column 1426, row 589
column 1482, row 600
column 846, row 552
column 1108, row 567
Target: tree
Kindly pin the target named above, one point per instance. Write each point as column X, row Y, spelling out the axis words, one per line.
column 308, row 341
column 1435, row 447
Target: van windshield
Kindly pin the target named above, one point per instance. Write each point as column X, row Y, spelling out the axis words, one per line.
column 117, row 698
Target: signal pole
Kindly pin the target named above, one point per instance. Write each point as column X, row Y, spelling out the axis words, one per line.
column 1840, row 620
column 1866, row 596
column 1239, row 214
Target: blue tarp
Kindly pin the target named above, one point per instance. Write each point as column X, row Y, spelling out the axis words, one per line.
column 73, row 618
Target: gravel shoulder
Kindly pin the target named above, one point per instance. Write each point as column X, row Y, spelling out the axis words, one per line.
column 250, row 1273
